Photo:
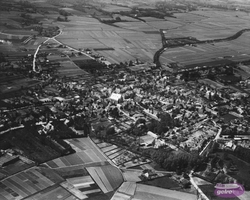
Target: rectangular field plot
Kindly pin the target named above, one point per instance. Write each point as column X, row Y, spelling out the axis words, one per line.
column 107, row 177
column 132, row 176
column 85, row 184
column 151, row 192
column 53, row 193
column 104, row 144
column 112, row 156
column 132, row 164
column 106, row 149
column 96, row 141
column 121, row 196
column 86, row 153
column 27, row 183
column 128, row 188
column 112, row 151
column 69, row 68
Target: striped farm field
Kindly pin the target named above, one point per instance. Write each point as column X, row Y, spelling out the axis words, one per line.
column 69, row 68
column 235, row 50
column 115, row 8
column 120, row 157
column 19, row 32
column 121, row 196
column 82, row 187
column 125, row 192
column 113, row 151
column 151, row 192
column 55, row 193
column 189, row 17
column 4, row 36
column 117, row 153
column 129, row 40
column 107, row 177
column 168, row 25
column 103, row 144
column 135, row 26
column 86, row 153
column 27, row 183
column 107, row 149
column 128, row 188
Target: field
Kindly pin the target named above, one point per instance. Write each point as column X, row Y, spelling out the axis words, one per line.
column 137, row 39
column 65, row 65
column 16, row 84
column 14, row 168
column 86, row 153
column 120, row 157
column 107, row 177
column 85, row 32
column 10, row 37
column 208, row 25
column 163, row 182
column 114, row 8
column 54, row 193
column 83, row 187
column 79, row 182
column 236, row 50
column 132, row 175
column 125, row 192
column 68, row 68
column 150, row 192
column 27, row 183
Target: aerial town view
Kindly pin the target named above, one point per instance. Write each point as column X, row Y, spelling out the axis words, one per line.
column 124, row 99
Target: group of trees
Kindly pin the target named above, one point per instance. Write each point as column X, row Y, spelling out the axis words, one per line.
column 111, row 21
column 61, row 131
column 39, row 148
column 64, row 13
column 160, row 127
column 175, row 160
column 28, row 19
column 62, row 19
column 81, row 123
column 242, row 153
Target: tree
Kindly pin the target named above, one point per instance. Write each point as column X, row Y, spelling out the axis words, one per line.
column 110, row 131
column 118, row 19
column 59, row 19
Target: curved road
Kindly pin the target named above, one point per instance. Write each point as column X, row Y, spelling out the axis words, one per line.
column 54, row 38
column 34, row 58
column 164, row 45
